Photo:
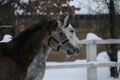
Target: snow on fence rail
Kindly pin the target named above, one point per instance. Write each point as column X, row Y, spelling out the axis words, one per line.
column 91, row 53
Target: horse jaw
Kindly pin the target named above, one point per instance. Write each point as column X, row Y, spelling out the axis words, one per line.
column 73, row 39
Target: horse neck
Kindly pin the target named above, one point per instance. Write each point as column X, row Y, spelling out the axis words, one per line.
column 27, row 45
column 39, row 61
column 43, row 53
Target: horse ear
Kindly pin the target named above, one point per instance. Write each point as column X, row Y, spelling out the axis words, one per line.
column 66, row 21
column 63, row 20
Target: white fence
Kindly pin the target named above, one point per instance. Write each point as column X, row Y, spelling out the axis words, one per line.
column 91, row 53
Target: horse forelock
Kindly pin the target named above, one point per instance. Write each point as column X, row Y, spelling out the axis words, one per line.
column 64, row 20
column 52, row 24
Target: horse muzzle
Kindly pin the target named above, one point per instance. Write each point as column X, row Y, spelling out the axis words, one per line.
column 73, row 51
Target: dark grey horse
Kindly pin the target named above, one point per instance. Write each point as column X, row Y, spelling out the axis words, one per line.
column 17, row 55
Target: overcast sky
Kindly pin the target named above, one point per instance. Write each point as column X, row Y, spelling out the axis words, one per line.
column 89, row 7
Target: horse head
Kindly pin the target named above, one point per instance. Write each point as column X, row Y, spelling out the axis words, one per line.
column 65, row 36
column 71, row 35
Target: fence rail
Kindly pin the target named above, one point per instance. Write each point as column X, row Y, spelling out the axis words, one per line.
column 91, row 53
column 107, row 41
column 89, row 64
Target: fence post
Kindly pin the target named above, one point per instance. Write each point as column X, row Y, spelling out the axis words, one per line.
column 91, row 50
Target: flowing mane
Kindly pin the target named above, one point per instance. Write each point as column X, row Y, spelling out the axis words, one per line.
column 43, row 26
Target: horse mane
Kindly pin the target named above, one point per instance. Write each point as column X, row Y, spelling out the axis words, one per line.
column 24, row 36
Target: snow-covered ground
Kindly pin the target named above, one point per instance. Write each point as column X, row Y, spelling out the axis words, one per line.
column 78, row 73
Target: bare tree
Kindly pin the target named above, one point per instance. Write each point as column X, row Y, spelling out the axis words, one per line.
column 50, row 8
column 113, row 48
column 111, row 31
column 45, row 7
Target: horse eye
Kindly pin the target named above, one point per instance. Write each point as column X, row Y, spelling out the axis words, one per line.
column 61, row 33
column 71, row 31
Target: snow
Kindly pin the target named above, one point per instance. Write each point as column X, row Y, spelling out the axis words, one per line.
column 24, row 1
column 6, row 26
column 78, row 73
column 19, row 11
column 92, row 36
column 103, row 57
column 6, row 38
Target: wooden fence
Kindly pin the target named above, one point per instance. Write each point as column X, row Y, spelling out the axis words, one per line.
column 91, row 53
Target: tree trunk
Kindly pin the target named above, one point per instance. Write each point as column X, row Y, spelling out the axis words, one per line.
column 6, row 14
column 113, row 48
column 112, row 52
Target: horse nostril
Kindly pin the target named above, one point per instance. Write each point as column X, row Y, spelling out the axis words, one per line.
column 77, row 50
column 70, row 52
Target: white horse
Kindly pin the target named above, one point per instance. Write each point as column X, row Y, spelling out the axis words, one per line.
column 36, row 70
